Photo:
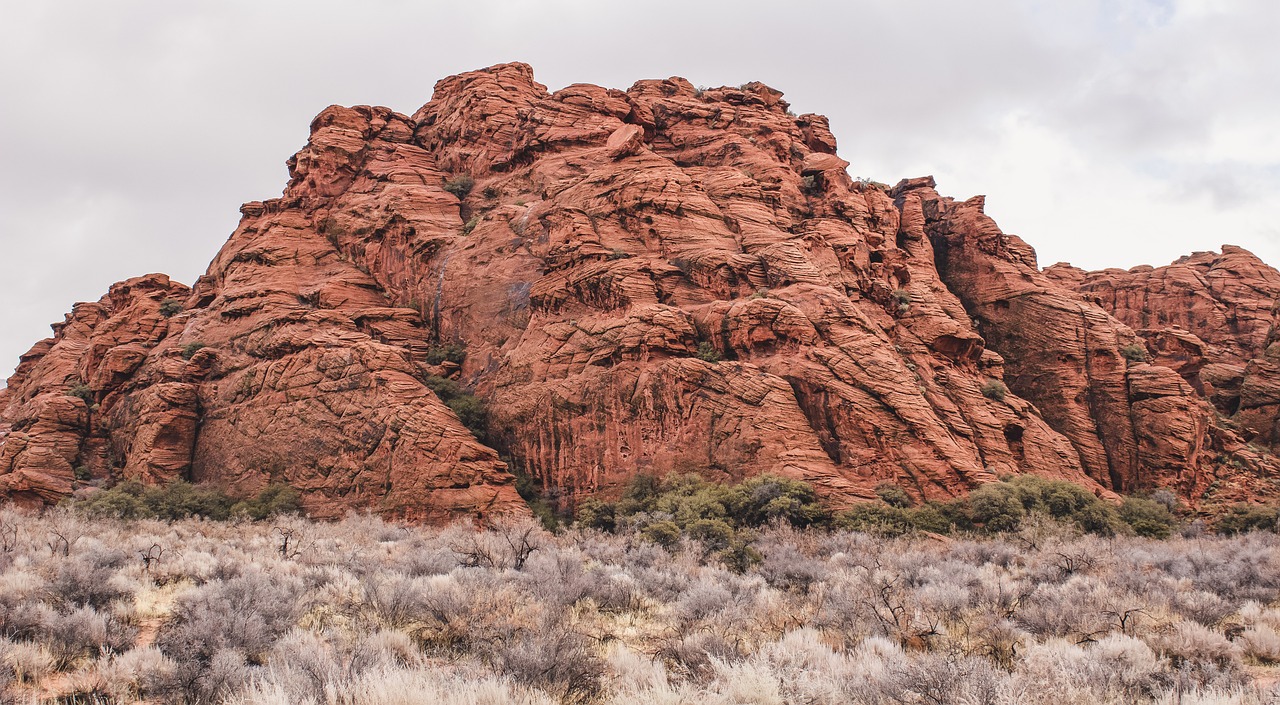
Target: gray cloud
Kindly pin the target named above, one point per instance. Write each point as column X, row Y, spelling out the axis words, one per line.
column 1106, row 132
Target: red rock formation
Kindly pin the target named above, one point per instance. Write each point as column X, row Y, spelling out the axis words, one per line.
column 652, row 280
column 1209, row 316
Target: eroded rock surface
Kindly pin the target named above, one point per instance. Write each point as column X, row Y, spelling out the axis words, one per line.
column 652, row 280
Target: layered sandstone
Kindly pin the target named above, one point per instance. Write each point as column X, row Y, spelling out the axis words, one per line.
column 652, row 280
column 1210, row 316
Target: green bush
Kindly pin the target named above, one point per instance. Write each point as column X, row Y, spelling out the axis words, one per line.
column 893, row 495
column 170, row 308
column 278, row 498
column 994, row 389
column 722, row 517
column 1242, row 518
column 80, row 390
column 1135, row 352
column 459, row 185
column 190, row 349
column 1148, row 518
column 181, row 500
column 471, row 410
column 452, row 352
column 708, row 352
column 877, row 519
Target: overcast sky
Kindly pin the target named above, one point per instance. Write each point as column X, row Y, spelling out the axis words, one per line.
column 1105, row 132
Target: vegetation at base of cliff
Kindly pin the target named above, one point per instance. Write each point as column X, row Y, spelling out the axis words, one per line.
column 722, row 517
column 528, row 489
column 183, row 500
column 1005, row 506
column 364, row 611
column 725, row 517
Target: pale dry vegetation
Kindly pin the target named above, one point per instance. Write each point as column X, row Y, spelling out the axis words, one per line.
column 362, row 611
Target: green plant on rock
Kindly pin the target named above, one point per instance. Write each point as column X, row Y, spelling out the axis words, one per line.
column 1135, row 352
column 708, row 352
column 170, row 308
column 994, row 389
column 470, row 410
column 449, row 352
column 459, row 185
column 80, row 390
column 190, row 349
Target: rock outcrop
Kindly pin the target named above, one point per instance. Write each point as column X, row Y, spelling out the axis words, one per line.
column 1212, row 318
column 653, row 280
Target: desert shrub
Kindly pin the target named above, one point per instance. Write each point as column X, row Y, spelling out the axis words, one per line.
column 1193, row 643
column 1261, row 643
column 79, row 583
column 275, row 499
column 471, row 410
column 1134, row 352
column 471, row 223
column 708, row 352
column 877, row 519
column 80, row 390
column 83, row 633
column 459, row 185
column 170, row 308
column 1148, row 518
column 994, row 389
column 1242, row 517
column 25, row 663
column 190, row 349
column 451, row 352
column 553, row 658
column 218, row 629
column 893, row 495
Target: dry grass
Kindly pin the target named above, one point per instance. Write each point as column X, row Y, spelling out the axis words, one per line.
column 372, row 613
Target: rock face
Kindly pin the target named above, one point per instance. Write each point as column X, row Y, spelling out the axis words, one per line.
column 1209, row 316
column 652, row 280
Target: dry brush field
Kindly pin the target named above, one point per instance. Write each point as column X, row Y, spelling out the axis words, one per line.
column 363, row 611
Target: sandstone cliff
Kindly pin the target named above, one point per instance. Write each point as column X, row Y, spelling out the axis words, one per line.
column 652, row 280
